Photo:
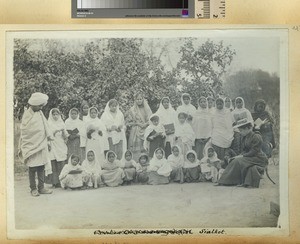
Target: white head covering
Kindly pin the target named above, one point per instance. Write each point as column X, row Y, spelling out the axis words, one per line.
column 166, row 116
column 176, row 161
column 55, row 124
column 241, row 113
column 158, row 129
column 187, row 163
column 38, row 98
column 110, row 119
column 162, row 164
column 189, row 109
column 231, row 106
column 91, row 166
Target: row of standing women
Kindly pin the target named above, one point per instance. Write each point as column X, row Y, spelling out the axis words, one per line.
column 191, row 130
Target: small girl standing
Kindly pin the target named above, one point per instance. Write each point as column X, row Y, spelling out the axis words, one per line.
column 129, row 167
column 72, row 174
column 202, row 126
column 96, row 135
column 159, row 168
column 112, row 174
column 211, row 165
column 141, row 169
column 59, row 149
column 167, row 116
column 184, row 134
column 92, row 170
column 191, row 167
column 186, row 106
column 113, row 119
column 76, row 140
column 176, row 161
column 154, row 135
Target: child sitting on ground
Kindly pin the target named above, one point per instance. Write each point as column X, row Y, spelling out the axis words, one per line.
column 71, row 175
column 129, row 167
column 92, row 170
column 141, row 169
column 211, row 165
column 191, row 167
column 112, row 174
column 159, row 168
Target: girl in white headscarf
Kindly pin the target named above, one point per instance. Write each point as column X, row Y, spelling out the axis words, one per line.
column 222, row 133
column 202, row 126
column 72, row 175
column 184, row 134
column 167, row 116
column 58, row 147
column 77, row 136
column 191, row 167
column 211, row 165
column 154, row 135
column 240, row 112
column 176, row 161
column 186, row 106
column 113, row 119
column 96, row 135
column 92, row 169
column 159, row 168
column 129, row 166
column 112, row 174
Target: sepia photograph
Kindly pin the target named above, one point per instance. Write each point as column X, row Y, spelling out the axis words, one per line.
column 112, row 131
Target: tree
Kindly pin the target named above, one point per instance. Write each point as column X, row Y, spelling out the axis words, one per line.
column 202, row 68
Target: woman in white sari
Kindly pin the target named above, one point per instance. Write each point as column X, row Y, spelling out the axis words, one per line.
column 59, row 149
column 113, row 120
column 186, row 107
column 222, row 133
column 77, row 135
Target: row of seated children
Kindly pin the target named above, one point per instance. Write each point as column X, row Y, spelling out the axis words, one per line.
column 158, row 170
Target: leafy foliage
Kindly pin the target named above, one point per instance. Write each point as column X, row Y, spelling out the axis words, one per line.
column 204, row 67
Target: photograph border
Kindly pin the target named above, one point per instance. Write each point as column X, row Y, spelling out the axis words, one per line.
column 284, row 130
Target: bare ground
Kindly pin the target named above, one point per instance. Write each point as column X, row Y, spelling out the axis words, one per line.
column 196, row 205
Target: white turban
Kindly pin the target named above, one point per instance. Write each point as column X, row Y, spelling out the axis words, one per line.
column 37, row 99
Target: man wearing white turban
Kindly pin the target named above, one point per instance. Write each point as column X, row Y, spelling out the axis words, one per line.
column 34, row 139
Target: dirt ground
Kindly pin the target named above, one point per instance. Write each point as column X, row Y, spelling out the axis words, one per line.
column 196, row 205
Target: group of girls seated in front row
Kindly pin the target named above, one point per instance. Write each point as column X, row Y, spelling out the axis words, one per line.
column 158, row 170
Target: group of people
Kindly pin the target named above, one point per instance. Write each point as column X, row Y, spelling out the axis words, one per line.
column 220, row 141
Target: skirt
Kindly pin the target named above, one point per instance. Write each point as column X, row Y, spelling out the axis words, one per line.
column 156, row 179
column 129, row 174
column 56, row 170
column 142, row 177
column 75, row 149
column 199, row 147
column 72, row 181
column 191, row 174
column 177, row 175
column 243, row 171
column 113, row 177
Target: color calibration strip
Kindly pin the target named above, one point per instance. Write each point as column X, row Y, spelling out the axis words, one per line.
column 201, row 9
column 133, row 4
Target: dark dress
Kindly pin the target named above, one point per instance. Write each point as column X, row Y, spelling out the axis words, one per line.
column 243, row 170
column 156, row 142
